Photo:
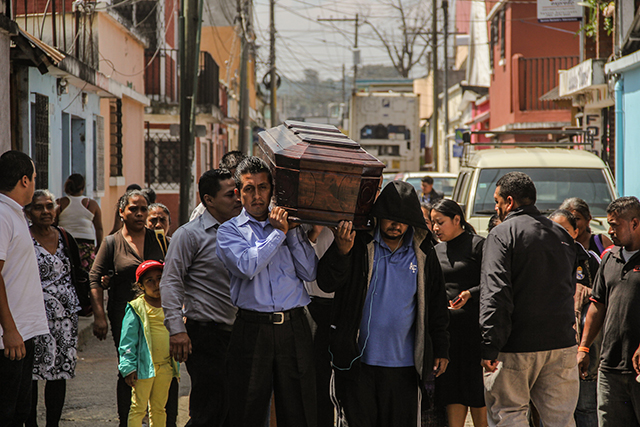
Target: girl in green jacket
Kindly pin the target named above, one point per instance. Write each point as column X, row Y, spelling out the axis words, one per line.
column 145, row 361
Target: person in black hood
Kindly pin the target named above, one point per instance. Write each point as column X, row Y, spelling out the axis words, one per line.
column 527, row 285
column 390, row 317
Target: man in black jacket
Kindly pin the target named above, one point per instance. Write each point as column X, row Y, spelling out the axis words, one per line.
column 526, row 312
column 389, row 322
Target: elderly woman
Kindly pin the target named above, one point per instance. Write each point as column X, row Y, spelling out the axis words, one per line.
column 55, row 353
column 159, row 218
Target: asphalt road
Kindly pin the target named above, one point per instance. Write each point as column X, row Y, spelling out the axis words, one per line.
column 91, row 395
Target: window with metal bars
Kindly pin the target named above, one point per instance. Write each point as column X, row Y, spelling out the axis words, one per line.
column 503, row 33
column 162, row 161
column 41, row 140
column 493, row 40
column 115, row 143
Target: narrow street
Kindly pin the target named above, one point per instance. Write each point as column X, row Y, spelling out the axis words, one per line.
column 91, row 396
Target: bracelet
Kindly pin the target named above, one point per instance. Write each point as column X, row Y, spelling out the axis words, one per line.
column 584, row 349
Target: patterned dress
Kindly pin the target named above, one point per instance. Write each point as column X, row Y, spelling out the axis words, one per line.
column 55, row 353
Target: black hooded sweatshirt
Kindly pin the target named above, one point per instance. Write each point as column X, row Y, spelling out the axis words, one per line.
column 349, row 276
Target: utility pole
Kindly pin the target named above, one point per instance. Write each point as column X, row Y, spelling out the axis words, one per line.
column 356, row 52
column 189, row 33
column 434, row 57
column 344, row 97
column 272, row 59
column 356, row 57
column 243, row 134
column 445, row 99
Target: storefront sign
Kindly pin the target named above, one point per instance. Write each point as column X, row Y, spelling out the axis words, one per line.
column 559, row 10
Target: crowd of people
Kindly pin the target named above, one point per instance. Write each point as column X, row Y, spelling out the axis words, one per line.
column 418, row 321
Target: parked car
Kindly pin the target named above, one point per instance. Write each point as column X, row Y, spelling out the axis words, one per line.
column 557, row 173
column 388, row 177
column 443, row 182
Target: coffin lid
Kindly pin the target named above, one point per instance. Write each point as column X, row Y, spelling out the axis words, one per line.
column 315, row 143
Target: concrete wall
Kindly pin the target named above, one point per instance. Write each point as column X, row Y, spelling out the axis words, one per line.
column 224, row 45
column 5, row 113
column 70, row 151
column 525, row 37
column 630, row 108
column 122, row 59
column 122, row 54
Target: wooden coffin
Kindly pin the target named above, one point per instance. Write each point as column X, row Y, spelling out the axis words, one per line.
column 321, row 176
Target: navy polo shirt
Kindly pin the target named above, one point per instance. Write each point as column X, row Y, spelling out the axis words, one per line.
column 387, row 327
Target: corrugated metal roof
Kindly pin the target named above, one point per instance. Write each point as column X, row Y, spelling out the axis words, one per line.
column 52, row 53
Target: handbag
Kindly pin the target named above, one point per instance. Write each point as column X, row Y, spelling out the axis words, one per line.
column 79, row 277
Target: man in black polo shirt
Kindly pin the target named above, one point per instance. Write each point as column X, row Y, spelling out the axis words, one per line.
column 616, row 298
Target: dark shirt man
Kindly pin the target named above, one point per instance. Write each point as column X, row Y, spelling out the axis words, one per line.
column 22, row 314
column 390, row 311
column 194, row 277
column 271, row 349
column 526, row 312
column 616, row 298
column 429, row 194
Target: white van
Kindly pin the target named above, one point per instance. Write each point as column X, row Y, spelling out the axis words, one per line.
column 558, row 174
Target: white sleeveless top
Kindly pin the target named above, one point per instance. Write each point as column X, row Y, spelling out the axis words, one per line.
column 77, row 219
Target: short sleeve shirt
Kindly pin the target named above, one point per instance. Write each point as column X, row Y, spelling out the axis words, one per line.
column 20, row 272
column 617, row 286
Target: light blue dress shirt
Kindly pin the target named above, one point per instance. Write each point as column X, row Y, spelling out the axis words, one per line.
column 266, row 267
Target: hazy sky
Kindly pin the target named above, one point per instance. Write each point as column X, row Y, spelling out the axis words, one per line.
column 303, row 42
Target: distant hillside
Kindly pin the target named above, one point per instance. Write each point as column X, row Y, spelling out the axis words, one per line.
column 311, row 96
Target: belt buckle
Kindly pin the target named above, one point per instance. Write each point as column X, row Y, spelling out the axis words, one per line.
column 278, row 322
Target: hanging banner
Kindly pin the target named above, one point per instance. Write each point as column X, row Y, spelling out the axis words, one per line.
column 559, row 10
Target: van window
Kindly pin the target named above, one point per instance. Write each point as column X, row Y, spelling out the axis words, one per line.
column 459, row 193
column 553, row 187
column 441, row 184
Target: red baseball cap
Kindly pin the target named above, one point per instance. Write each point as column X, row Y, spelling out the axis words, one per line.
column 146, row 266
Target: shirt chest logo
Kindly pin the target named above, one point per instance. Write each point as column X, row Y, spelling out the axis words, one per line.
column 413, row 267
column 579, row 273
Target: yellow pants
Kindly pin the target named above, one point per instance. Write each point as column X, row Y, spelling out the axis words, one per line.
column 152, row 393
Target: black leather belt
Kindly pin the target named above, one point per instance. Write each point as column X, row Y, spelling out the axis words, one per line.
column 209, row 324
column 275, row 318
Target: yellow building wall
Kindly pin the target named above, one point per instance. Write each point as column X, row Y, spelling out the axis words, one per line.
column 224, row 46
column 121, row 53
column 122, row 59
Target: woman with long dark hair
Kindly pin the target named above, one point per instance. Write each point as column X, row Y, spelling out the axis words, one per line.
column 460, row 388
column 118, row 258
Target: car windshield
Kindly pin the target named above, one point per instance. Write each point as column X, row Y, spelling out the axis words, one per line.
column 442, row 185
column 553, row 186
